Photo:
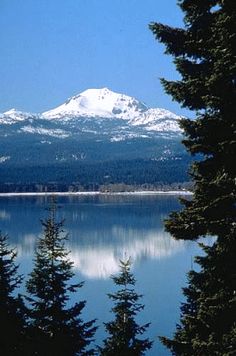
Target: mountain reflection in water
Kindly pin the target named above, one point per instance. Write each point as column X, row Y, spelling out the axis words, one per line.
column 102, row 229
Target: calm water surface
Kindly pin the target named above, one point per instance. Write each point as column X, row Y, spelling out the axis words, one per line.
column 102, row 230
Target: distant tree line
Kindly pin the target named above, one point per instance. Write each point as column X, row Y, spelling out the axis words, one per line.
column 93, row 176
column 43, row 322
column 104, row 188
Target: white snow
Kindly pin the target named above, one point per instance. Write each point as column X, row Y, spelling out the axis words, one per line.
column 47, row 142
column 96, row 106
column 125, row 136
column 157, row 120
column 4, row 158
column 104, row 103
column 12, row 116
column 98, row 103
column 42, row 131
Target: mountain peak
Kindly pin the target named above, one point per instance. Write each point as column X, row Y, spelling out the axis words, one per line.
column 14, row 115
column 98, row 103
column 95, row 105
column 11, row 112
column 97, row 91
column 14, row 112
column 92, row 93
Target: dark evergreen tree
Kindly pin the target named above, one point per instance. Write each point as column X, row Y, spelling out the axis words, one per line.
column 205, row 55
column 124, row 330
column 12, row 310
column 56, row 328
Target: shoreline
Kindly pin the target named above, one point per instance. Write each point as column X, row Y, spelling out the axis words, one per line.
column 94, row 193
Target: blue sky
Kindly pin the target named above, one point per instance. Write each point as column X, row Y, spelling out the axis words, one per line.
column 54, row 49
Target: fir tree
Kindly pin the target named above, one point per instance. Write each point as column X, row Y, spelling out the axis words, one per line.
column 56, row 328
column 124, row 330
column 205, row 55
column 12, row 310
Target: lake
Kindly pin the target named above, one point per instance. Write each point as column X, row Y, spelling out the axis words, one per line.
column 102, row 230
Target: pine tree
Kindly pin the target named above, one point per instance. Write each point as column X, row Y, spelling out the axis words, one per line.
column 124, row 330
column 56, row 328
column 12, row 310
column 204, row 53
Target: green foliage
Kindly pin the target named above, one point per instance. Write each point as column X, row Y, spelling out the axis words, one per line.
column 123, row 330
column 56, row 328
column 208, row 316
column 91, row 176
column 205, row 55
column 12, row 310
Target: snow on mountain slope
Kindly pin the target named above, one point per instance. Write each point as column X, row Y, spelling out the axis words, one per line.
column 12, row 116
column 104, row 103
column 43, row 131
column 69, row 143
column 100, row 103
column 101, row 110
column 157, row 120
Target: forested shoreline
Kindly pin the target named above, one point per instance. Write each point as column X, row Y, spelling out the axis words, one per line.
column 112, row 176
column 77, row 188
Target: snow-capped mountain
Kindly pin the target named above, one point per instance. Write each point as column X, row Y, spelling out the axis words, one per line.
column 104, row 103
column 102, row 108
column 12, row 116
column 97, row 131
column 98, row 103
